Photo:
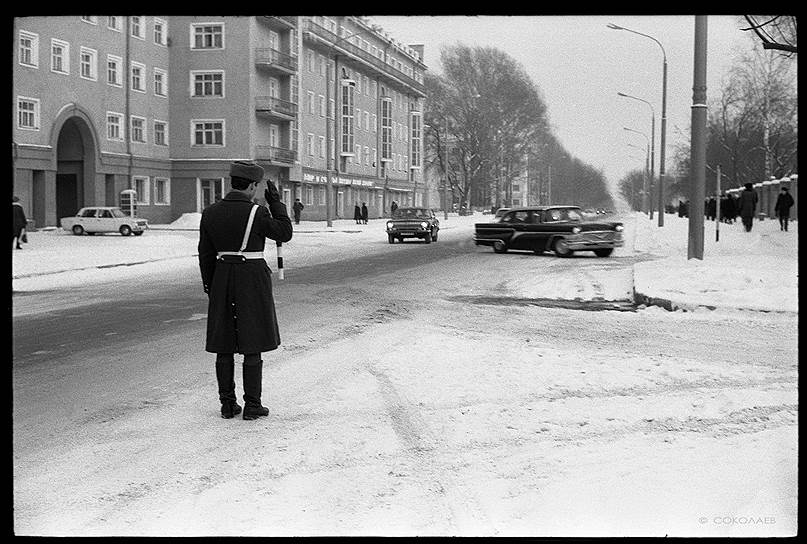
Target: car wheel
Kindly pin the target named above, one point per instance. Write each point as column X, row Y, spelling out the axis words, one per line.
column 428, row 238
column 561, row 248
column 499, row 247
column 138, row 233
column 603, row 252
column 78, row 230
column 125, row 230
column 391, row 238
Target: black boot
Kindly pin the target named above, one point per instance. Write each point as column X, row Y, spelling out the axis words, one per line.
column 225, row 375
column 253, row 371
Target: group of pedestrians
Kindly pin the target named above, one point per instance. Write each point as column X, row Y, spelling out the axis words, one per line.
column 743, row 206
column 360, row 213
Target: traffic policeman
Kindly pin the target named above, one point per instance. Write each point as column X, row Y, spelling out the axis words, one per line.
column 241, row 314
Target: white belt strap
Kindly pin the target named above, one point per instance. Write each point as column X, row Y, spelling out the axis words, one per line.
column 241, row 252
column 249, row 227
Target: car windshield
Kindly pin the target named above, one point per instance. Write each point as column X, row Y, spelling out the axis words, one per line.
column 563, row 214
column 117, row 212
column 411, row 213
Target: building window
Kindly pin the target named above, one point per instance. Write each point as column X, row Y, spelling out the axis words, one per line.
column 367, row 121
column 208, row 84
column 516, row 188
column 309, row 195
column 310, row 146
column 138, row 129
column 89, row 63
column 323, row 66
column 322, row 150
column 417, row 128
column 138, row 73
column 310, row 102
column 160, row 82
column 375, row 123
column 274, row 136
column 160, row 31
column 309, row 57
column 92, row 19
column 60, row 56
column 347, row 118
column 141, row 186
column 160, row 133
column 113, row 71
column 386, row 128
column 137, row 26
column 322, row 106
column 114, row 122
column 332, row 106
column 358, row 154
column 27, row 113
column 208, row 132
column 322, row 196
column 207, row 36
column 366, row 156
column 162, row 191
column 29, row 49
column 113, row 23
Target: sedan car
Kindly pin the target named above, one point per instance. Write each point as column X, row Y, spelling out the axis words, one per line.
column 104, row 219
column 562, row 229
column 413, row 223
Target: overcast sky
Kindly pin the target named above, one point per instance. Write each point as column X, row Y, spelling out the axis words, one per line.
column 579, row 65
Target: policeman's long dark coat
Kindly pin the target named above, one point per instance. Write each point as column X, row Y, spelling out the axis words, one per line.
column 783, row 204
column 19, row 218
column 250, row 326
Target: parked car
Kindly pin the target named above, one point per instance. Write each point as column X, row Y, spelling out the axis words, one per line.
column 562, row 229
column 413, row 223
column 94, row 219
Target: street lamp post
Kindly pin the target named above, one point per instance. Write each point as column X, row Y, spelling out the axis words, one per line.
column 652, row 147
column 644, row 176
column 661, row 171
column 645, row 196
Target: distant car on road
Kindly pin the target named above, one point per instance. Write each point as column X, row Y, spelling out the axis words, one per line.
column 94, row 219
column 562, row 229
column 413, row 223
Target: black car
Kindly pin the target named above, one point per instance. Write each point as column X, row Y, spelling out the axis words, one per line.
column 562, row 229
column 413, row 223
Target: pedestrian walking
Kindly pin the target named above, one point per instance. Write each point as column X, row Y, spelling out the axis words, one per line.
column 297, row 207
column 241, row 314
column 357, row 213
column 364, row 212
column 711, row 208
column 20, row 221
column 747, row 206
column 393, row 207
column 782, row 209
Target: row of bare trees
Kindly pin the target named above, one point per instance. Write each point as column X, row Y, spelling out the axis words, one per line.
column 487, row 125
column 752, row 124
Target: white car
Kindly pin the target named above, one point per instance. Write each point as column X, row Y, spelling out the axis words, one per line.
column 104, row 219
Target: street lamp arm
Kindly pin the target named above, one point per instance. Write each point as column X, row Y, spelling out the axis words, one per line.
column 616, row 27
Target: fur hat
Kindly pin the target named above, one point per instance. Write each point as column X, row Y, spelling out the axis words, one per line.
column 247, row 170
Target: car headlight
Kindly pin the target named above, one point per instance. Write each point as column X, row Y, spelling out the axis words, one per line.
column 575, row 230
column 390, row 225
column 619, row 227
column 424, row 224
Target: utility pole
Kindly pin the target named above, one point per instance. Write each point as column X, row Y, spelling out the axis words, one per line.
column 663, row 143
column 698, row 146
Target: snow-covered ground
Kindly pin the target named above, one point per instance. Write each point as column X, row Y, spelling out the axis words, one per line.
column 408, row 415
column 756, row 270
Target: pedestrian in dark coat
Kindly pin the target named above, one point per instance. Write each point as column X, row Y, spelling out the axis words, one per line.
column 357, row 213
column 297, row 207
column 241, row 314
column 747, row 206
column 364, row 213
column 393, row 207
column 711, row 208
column 782, row 209
column 20, row 221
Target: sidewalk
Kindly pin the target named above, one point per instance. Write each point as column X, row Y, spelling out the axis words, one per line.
column 750, row 271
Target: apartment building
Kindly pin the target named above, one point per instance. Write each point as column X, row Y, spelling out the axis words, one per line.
column 162, row 105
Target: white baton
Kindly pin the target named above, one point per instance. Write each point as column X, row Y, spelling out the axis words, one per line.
column 280, row 260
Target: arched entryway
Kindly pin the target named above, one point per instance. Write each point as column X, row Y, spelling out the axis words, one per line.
column 75, row 164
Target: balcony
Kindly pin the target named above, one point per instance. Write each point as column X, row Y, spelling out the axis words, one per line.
column 276, row 155
column 275, row 61
column 320, row 33
column 279, row 21
column 275, row 108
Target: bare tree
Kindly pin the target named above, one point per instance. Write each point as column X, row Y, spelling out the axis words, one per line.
column 776, row 32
